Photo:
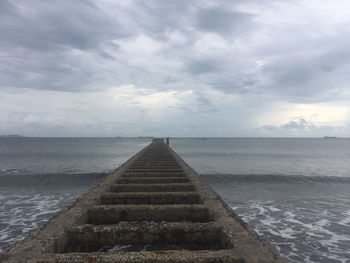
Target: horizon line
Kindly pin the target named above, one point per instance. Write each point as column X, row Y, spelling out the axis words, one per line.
column 184, row 137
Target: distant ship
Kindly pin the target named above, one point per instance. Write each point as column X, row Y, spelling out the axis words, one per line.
column 330, row 137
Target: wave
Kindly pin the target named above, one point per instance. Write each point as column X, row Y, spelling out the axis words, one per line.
column 47, row 180
column 275, row 178
column 8, row 171
column 300, row 233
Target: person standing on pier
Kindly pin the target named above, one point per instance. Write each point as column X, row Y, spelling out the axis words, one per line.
column 167, row 141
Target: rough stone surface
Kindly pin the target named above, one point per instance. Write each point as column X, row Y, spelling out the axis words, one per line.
column 116, row 214
column 154, row 208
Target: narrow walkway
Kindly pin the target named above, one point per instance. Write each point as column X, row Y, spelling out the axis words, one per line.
column 151, row 207
column 154, row 208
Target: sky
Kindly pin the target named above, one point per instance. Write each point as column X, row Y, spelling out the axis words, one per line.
column 240, row 68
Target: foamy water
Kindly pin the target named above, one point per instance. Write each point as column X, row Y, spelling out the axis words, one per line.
column 24, row 213
column 305, row 222
column 300, row 235
column 29, row 201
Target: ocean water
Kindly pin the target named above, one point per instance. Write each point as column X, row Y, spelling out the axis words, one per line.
column 39, row 176
column 294, row 192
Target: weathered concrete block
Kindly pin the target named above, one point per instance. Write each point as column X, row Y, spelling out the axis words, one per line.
column 151, row 198
column 114, row 214
column 153, row 174
column 151, row 180
column 189, row 236
column 170, row 187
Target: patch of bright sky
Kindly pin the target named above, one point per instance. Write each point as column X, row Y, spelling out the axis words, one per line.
column 319, row 114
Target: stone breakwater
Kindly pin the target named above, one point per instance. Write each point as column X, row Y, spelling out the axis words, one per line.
column 154, row 208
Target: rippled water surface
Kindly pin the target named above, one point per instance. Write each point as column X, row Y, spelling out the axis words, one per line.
column 39, row 176
column 294, row 192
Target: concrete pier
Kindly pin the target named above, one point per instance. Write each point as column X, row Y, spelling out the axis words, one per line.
column 154, row 208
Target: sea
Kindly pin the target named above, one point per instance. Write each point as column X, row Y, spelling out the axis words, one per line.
column 295, row 193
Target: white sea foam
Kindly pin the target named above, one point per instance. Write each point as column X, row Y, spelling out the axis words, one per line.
column 287, row 233
column 118, row 248
column 298, row 233
column 346, row 220
column 273, row 208
column 9, row 171
column 20, row 214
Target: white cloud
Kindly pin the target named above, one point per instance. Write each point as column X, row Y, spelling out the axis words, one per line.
column 317, row 113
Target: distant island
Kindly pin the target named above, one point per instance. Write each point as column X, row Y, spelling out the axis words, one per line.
column 11, row 136
column 330, row 137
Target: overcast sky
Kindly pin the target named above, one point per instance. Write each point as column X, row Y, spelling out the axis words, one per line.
column 175, row 68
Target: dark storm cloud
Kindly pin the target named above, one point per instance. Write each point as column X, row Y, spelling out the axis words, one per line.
column 158, row 18
column 44, row 26
column 236, row 83
column 309, row 78
column 204, row 104
column 201, row 66
column 222, row 21
column 6, row 8
column 53, row 71
column 40, row 38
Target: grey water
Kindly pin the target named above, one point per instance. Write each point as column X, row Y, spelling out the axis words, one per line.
column 39, row 176
column 294, row 192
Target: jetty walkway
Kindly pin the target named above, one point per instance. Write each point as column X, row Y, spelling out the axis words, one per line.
column 154, row 208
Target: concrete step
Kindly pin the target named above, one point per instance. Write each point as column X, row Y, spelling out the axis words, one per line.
column 117, row 188
column 178, row 256
column 153, row 154
column 156, row 162
column 153, row 174
column 141, row 237
column 152, row 166
column 151, row 198
column 153, row 170
column 151, row 180
column 114, row 214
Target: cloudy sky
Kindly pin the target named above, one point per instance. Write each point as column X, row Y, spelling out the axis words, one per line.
column 175, row 68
